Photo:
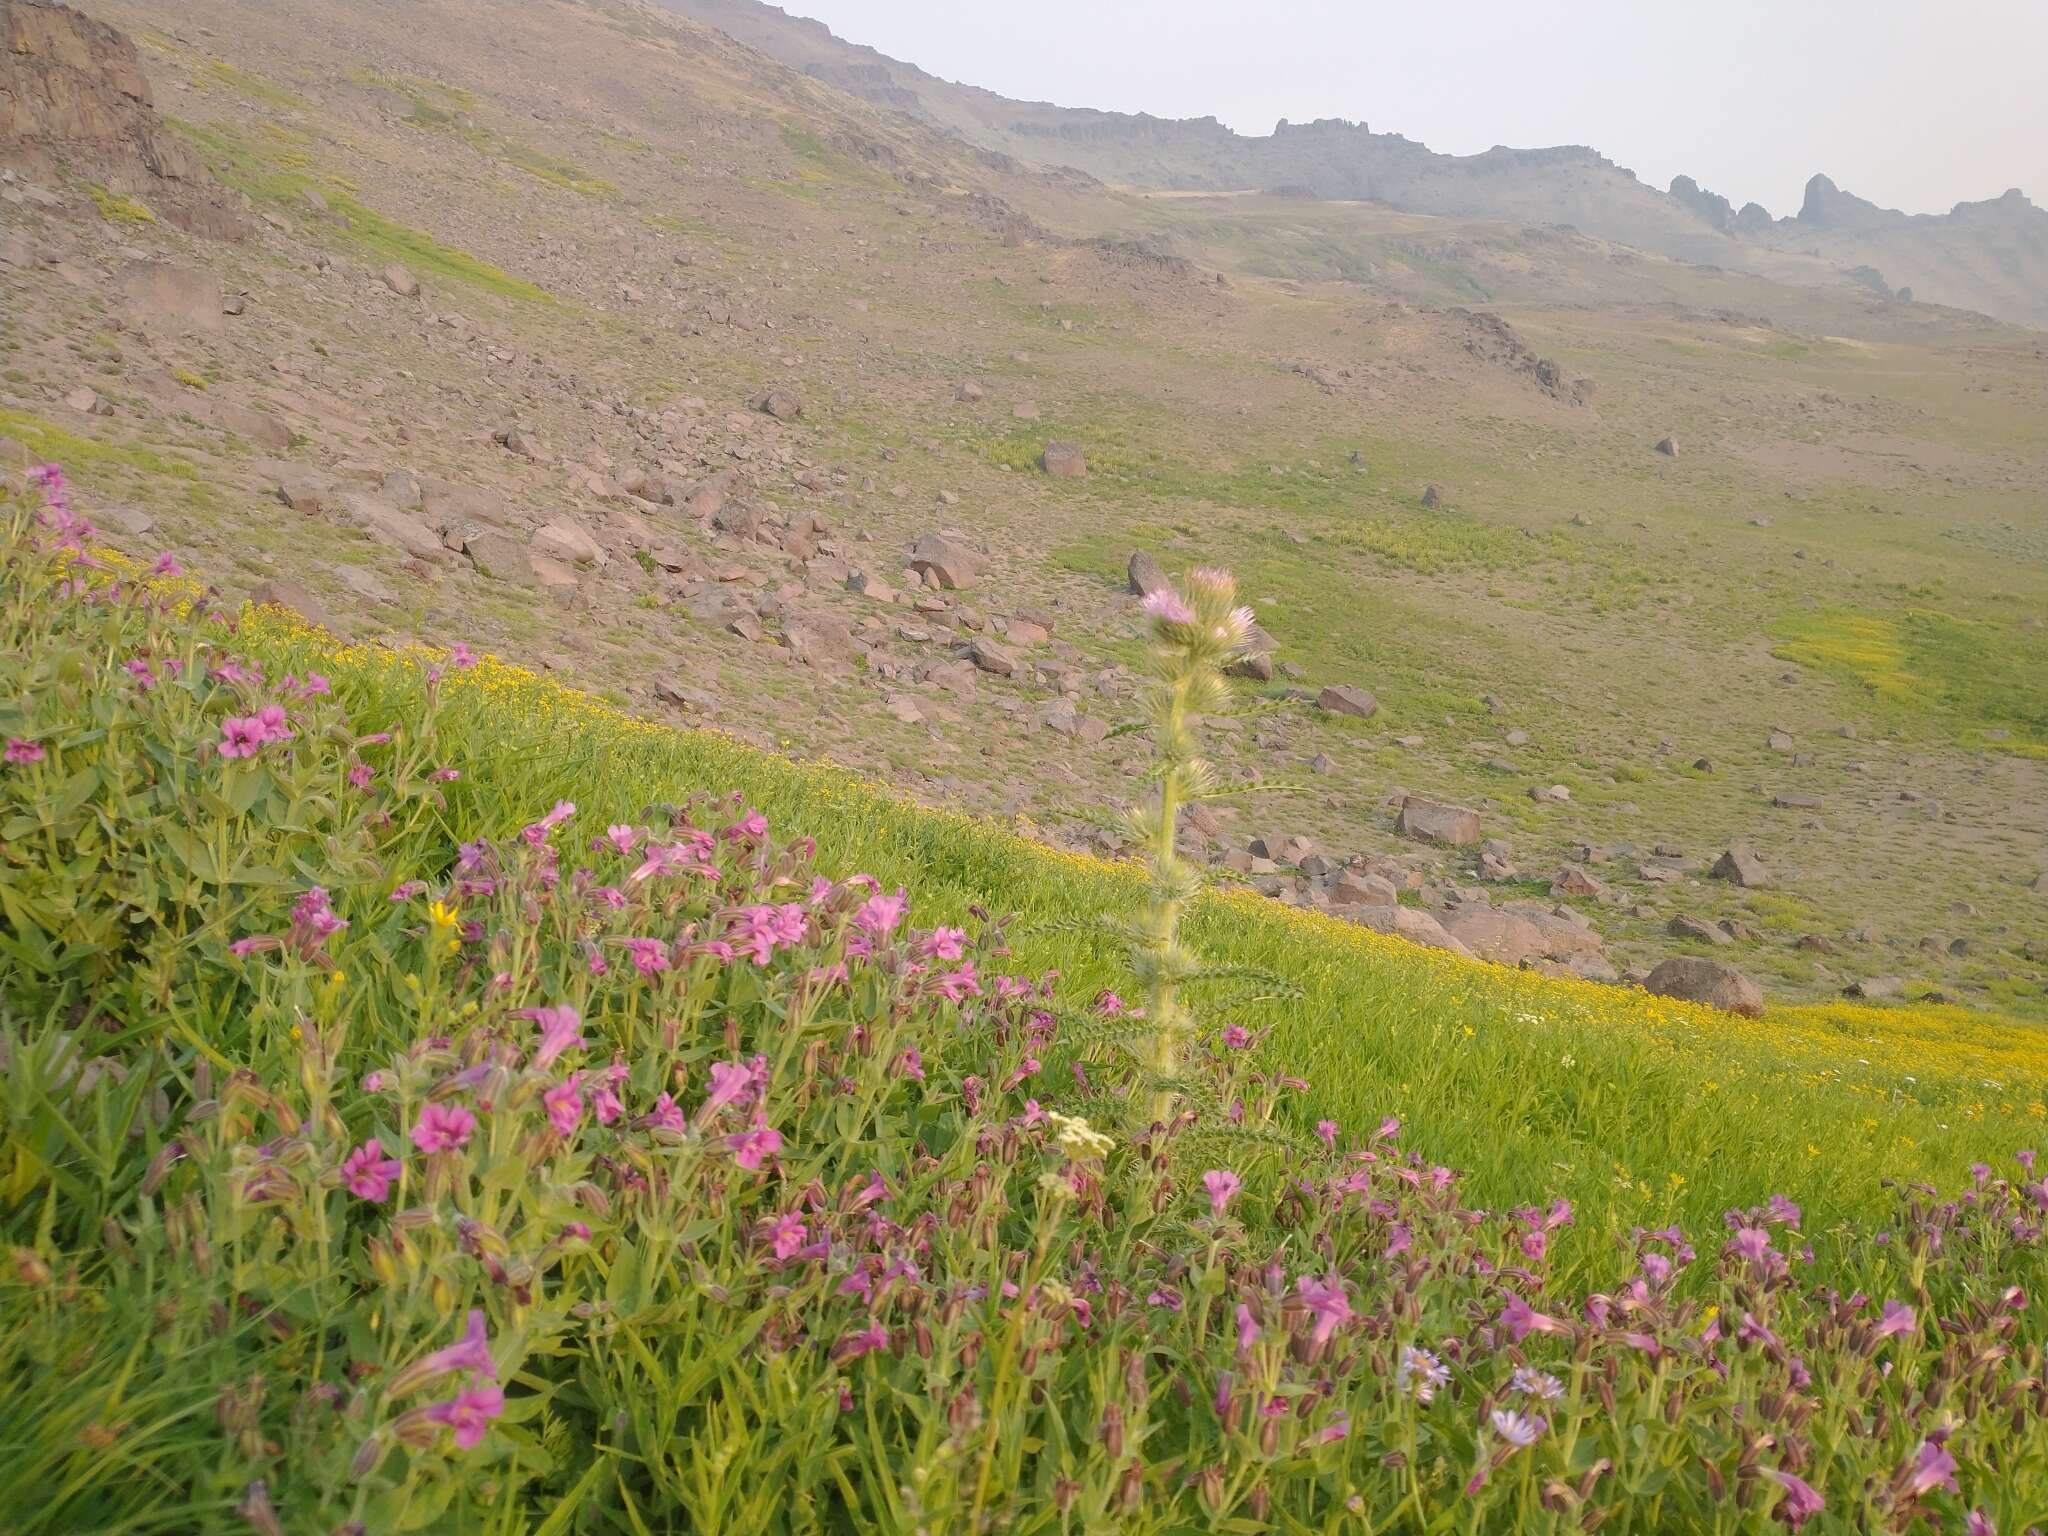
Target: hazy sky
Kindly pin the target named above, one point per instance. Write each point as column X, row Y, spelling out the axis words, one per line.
column 1915, row 104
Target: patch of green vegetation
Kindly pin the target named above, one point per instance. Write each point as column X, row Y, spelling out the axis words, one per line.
column 247, row 169
column 190, row 379
column 551, row 169
column 250, row 87
column 121, row 210
column 54, row 444
column 1864, row 648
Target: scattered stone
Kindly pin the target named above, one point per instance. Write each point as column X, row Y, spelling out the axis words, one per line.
column 970, row 392
column 1816, row 943
column 1875, row 988
column 1574, row 881
column 171, row 298
column 1322, row 763
column 568, row 542
column 1145, row 577
column 1741, row 865
column 87, row 402
column 1431, row 496
column 946, row 559
column 1063, row 461
column 991, row 657
column 779, row 403
column 1345, row 699
column 1695, row 979
column 1550, row 794
column 1507, row 938
column 1668, row 446
column 1685, row 926
column 1780, row 741
column 1429, row 820
column 401, row 282
column 276, row 592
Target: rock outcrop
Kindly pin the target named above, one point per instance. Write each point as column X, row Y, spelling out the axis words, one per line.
column 72, row 90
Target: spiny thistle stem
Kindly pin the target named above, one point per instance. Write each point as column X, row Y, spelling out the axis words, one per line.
column 1194, row 638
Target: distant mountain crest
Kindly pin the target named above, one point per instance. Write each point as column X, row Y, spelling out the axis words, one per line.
column 1990, row 256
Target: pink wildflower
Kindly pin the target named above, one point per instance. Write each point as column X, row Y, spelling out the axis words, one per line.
column 21, row 754
column 665, row 1116
column 442, row 1128
column 749, row 1148
column 560, row 1030
column 621, row 837
column 368, row 1174
column 731, row 1083
column 1326, row 1133
column 1898, row 1318
column 1223, row 1186
column 1801, row 1503
column 881, row 915
column 945, row 944
column 469, row 1413
column 1326, row 1302
column 1933, row 1467
column 461, row 655
column 471, row 1352
column 167, row 565
column 1166, row 606
column 911, row 1065
column 1247, row 1329
column 955, row 985
column 1236, row 1037
column 1520, row 1320
column 564, row 1103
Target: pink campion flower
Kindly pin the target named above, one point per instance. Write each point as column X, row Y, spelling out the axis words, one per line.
column 1750, row 1243
column 368, row 1174
column 750, row 1147
column 405, row 891
column 752, row 825
column 1399, row 1240
column 1236, row 1036
column 786, row 1234
column 240, row 737
column 1166, row 606
column 955, row 985
column 1389, row 1128
column 731, row 1083
column 461, row 655
column 564, row 1104
column 851, row 1346
column 665, row 1116
column 1222, row 1185
column 1801, row 1503
column 143, row 673
column 661, row 859
column 22, row 753
column 442, row 1128
column 1326, row 1302
column 1519, row 1430
column 1326, row 1133
column 882, row 915
column 235, row 674
column 167, row 565
column 911, row 1064
column 561, row 1029
column 1933, row 1467
column 469, row 1413
column 650, row 956
column 604, row 1103
column 471, row 1352
column 1520, row 1320
column 757, row 934
column 621, row 837
column 1898, row 1318
column 944, row 944
column 611, row 896
column 537, row 833
column 1977, row 1523
column 361, row 775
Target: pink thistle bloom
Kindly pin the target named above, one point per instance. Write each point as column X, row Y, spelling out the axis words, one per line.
column 1801, row 1503
column 564, row 1103
column 750, row 1147
column 1898, row 1318
column 471, row 1352
column 1222, row 1185
column 560, row 1030
column 881, row 915
column 368, row 1174
column 944, row 944
column 21, row 753
column 1327, row 1303
column 443, row 1128
column 469, row 1414
column 786, row 1235
column 1519, row 1430
column 461, row 655
column 1167, row 606
column 1520, row 1320
column 1933, row 1468
column 622, row 837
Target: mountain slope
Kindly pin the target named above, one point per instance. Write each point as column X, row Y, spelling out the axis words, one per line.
column 1990, row 256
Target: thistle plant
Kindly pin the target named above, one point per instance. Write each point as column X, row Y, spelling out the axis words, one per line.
column 1194, row 637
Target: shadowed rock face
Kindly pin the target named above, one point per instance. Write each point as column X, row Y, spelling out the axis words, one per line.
column 74, row 87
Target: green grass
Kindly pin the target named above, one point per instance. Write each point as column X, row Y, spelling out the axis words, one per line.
column 272, row 180
column 54, row 445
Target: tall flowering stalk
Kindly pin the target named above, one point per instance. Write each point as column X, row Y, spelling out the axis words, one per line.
column 1194, row 637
